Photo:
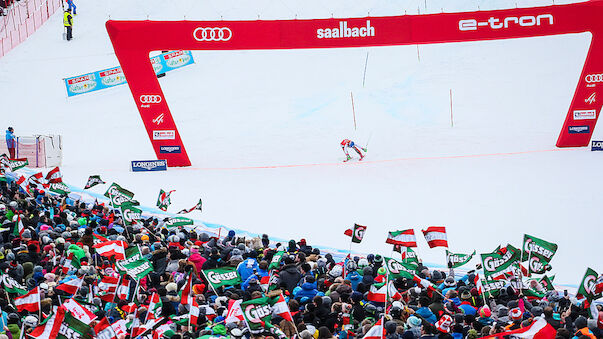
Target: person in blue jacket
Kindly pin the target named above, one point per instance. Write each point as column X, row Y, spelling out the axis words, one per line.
column 11, row 142
column 72, row 6
column 425, row 312
column 308, row 290
column 246, row 267
column 257, row 274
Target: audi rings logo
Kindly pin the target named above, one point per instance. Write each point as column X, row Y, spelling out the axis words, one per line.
column 150, row 99
column 212, row 34
column 594, row 78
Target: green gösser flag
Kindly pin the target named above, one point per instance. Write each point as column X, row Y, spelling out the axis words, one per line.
column 222, row 276
column 397, row 269
column 130, row 213
column 11, row 285
column 59, row 188
column 135, row 265
column 276, row 260
column 119, row 195
column 257, row 313
column 538, row 252
column 588, row 285
column 500, row 260
column 547, row 282
column 458, row 259
column 177, row 222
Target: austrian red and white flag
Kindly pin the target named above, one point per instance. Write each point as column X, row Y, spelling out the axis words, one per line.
column 187, row 292
column 104, row 330
column 423, row 283
column 376, row 332
column 50, row 327
column 123, row 290
column 194, row 313
column 404, row 238
column 381, row 294
column 71, row 286
column 29, row 302
column 436, row 236
column 107, row 287
column 54, row 176
column 478, row 284
column 115, row 248
column 539, row 329
column 281, row 309
column 99, row 239
column 235, row 313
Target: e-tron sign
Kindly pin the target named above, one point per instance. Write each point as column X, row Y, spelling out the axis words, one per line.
column 133, row 40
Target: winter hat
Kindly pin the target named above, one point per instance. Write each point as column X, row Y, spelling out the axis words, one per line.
column 485, row 312
column 436, row 275
column 413, row 321
column 503, row 311
column 26, row 234
column 444, row 324
column 516, row 313
column 536, row 311
column 449, row 282
column 580, row 322
column 336, row 271
column 171, row 287
column 378, row 258
column 466, row 294
column 362, row 263
column 381, row 271
column 472, row 334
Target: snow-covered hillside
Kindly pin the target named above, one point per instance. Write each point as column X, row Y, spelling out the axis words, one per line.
column 262, row 129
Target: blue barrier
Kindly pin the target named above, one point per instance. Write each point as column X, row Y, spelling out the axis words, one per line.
column 114, row 76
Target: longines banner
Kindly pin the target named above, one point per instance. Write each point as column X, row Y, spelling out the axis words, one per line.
column 133, row 40
column 114, row 76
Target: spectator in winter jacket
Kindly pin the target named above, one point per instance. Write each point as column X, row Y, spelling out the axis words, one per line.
column 248, row 266
column 425, row 312
column 11, row 142
column 290, row 275
column 258, row 274
column 197, row 259
column 307, row 292
column 355, row 278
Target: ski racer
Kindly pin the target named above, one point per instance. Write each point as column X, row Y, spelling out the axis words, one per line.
column 347, row 143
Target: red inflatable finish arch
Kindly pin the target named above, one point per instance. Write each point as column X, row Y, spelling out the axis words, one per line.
column 133, row 40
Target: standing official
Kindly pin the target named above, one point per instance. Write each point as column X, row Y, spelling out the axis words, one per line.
column 11, row 143
column 68, row 23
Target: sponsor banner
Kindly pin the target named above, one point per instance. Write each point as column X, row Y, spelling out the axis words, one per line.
column 164, row 134
column 149, row 165
column 578, row 129
column 169, row 149
column 585, row 114
column 597, row 146
column 114, row 76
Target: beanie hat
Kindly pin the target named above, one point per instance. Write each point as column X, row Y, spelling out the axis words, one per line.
column 485, row 312
column 171, row 287
column 381, row 271
column 444, row 324
column 413, row 321
column 580, row 322
column 449, row 282
column 516, row 313
column 472, row 334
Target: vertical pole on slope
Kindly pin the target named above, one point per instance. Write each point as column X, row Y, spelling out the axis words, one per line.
column 451, row 115
column 418, row 55
column 365, row 64
column 353, row 110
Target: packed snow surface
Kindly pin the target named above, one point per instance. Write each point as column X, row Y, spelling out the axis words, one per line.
column 263, row 128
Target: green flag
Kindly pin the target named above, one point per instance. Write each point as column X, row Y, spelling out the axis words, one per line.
column 547, row 282
column 119, row 195
column 588, row 285
column 94, row 180
column 257, row 313
column 135, row 265
column 177, row 222
column 130, row 213
column 222, row 276
column 538, row 252
column 163, row 200
column 59, row 188
column 16, row 164
column 397, row 269
column 492, row 288
column 276, row 260
column 11, row 285
column 500, row 260
column 72, row 328
column 458, row 259
column 358, row 233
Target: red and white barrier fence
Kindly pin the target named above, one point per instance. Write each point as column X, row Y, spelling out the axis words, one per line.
column 22, row 19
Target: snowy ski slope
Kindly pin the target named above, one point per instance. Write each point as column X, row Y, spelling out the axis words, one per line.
column 262, row 129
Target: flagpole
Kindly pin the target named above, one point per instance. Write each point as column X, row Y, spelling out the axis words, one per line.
column 39, row 307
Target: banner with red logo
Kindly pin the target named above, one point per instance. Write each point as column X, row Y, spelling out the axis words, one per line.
column 133, row 40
